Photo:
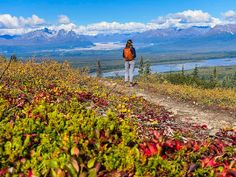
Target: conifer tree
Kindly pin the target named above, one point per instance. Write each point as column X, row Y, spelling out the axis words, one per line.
column 234, row 77
column 234, row 80
column 214, row 73
column 99, row 69
column 13, row 58
column 182, row 72
column 141, row 66
column 195, row 73
column 213, row 78
column 147, row 69
column 224, row 84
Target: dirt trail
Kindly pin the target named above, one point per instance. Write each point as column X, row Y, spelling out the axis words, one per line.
column 183, row 111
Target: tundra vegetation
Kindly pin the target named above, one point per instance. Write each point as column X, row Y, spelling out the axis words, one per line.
column 59, row 121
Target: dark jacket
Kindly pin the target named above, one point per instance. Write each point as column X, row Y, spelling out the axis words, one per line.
column 132, row 51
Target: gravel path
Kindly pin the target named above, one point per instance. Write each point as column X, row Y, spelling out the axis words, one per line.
column 214, row 119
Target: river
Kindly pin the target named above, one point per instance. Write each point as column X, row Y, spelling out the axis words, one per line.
column 178, row 66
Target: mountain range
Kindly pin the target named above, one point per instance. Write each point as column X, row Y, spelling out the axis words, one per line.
column 221, row 37
column 44, row 39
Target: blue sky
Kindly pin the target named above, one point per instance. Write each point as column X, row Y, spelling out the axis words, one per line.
column 86, row 12
column 91, row 11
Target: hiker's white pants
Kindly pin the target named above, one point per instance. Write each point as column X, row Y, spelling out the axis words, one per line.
column 129, row 71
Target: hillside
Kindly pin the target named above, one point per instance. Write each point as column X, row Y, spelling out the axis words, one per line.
column 189, row 107
column 58, row 121
column 221, row 71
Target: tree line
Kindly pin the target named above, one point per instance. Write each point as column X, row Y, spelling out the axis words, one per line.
column 195, row 79
column 183, row 77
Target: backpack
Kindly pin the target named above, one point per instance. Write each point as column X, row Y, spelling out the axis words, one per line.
column 128, row 54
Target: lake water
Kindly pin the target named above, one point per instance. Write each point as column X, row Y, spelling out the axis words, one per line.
column 178, row 66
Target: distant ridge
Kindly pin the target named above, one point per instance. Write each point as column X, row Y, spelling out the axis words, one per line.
column 43, row 39
column 195, row 38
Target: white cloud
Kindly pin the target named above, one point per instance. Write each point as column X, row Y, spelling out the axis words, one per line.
column 15, row 31
column 66, row 27
column 8, row 21
column 63, row 19
column 113, row 27
column 181, row 20
column 31, row 21
column 187, row 19
column 17, row 25
column 229, row 16
column 194, row 16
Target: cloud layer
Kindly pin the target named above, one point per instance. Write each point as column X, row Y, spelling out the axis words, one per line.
column 63, row 19
column 17, row 25
column 187, row 19
column 183, row 19
column 11, row 22
column 229, row 16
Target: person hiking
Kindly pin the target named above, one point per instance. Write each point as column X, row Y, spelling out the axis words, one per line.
column 129, row 54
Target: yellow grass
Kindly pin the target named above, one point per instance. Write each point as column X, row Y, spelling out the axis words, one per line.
column 219, row 97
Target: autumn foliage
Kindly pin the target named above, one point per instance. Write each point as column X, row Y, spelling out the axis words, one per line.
column 58, row 121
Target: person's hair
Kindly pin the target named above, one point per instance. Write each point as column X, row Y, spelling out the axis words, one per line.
column 130, row 41
column 128, row 44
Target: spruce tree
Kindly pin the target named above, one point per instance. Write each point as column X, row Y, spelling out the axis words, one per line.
column 99, row 69
column 224, row 83
column 141, row 66
column 234, row 77
column 182, row 72
column 195, row 73
column 215, row 74
column 234, row 80
column 13, row 58
column 147, row 69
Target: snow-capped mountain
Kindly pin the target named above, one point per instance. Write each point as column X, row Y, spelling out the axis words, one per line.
column 198, row 39
column 47, row 38
column 223, row 29
column 160, row 35
column 220, row 37
column 106, row 38
column 151, row 35
column 38, row 35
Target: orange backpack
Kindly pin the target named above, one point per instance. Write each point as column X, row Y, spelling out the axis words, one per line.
column 128, row 54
